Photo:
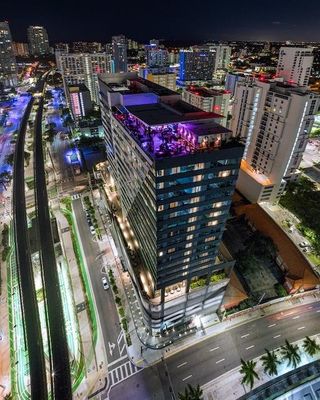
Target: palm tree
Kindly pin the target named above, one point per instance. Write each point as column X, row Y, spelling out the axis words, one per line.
column 270, row 362
column 290, row 352
column 248, row 372
column 191, row 393
column 310, row 346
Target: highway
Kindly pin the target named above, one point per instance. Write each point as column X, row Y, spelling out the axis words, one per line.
column 59, row 350
column 218, row 354
column 32, row 329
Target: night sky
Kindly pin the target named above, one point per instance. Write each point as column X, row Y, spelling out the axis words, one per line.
column 197, row 20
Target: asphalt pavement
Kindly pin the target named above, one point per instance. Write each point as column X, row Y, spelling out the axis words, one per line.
column 106, row 308
column 216, row 355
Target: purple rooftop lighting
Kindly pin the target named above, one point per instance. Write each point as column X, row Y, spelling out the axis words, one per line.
column 170, row 140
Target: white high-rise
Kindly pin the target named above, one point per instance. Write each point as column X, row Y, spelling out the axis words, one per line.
column 84, row 68
column 274, row 121
column 8, row 67
column 294, row 65
column 222, row 56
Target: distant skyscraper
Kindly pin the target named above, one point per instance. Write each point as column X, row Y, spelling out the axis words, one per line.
column 222, row 56
column 156, row 56
column 20, row 49
column 196, row 64
column 174, row 169
column 8, row 67
column 38, row 41
column 294, row 65
column 119, row 52
column 84, row 68
column 274, row 120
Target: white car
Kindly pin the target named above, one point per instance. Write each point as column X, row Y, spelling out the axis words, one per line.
column 303, row 244
column 92, row 230
column 105, row 283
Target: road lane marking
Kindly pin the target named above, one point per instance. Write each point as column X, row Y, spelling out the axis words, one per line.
column 243, row 336
column 215, row 348
column 187, row 377
column 219, row 361
column 250, row 347
column 310, row 308
column 301, row 327
column 318, row 311
column 181, row 365
column 296, row 317
column 270, row 326
column 275, row 337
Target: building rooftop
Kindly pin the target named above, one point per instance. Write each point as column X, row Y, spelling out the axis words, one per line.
column 205, row 92
column 163, row 133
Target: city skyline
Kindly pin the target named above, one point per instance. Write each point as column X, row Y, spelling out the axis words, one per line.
column 248, row 23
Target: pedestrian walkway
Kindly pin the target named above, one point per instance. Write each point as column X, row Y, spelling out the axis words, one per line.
column 122, row 372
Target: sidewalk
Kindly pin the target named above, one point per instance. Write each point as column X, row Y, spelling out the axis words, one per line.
column 229, row 385
column 95, row 359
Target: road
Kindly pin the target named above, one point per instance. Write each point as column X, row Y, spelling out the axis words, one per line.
column 214, row 356
column 57, row 332
column 31, row 318
column 104, row 299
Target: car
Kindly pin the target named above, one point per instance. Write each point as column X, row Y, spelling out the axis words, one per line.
column 303, row 244
column 92, row 230
column 105, row 283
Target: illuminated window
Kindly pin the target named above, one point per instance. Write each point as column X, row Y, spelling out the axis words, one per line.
column 174, row 204
column 189, row 237
column 223, row 174
column 192, row 219
column 191, row 228
column 171, row 250
column 199, row 166
column 197, row 178
column 188, row 245
column 161, row 207
column 212, row 223
column 209, row 239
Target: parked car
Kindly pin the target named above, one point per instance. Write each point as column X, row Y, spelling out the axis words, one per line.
column 105, row 283
column 303, row 244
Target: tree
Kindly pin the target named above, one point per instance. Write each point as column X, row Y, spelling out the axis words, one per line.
column 248, row 372
column 290, row 352
column 310, row 346
column 191, row 393
column 270, row 362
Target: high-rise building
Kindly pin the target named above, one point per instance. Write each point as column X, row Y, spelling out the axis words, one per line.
column 196, row 64
column 119, row 52
column 231, row 81
column 209, row 100
column 160, row 76
column 8, row 67
column 79, row 99
column 38, row 41
column 83, row 68
column 173, row 57
column 294, row 65
column 156, row 56
column 174, row 169
column 222, row 56
column 316, row 63
column 132, row 44
column 20, row 49
column 274, row 120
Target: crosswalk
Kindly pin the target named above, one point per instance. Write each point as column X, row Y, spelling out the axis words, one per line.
column 76, row 196
column 122, row 372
